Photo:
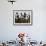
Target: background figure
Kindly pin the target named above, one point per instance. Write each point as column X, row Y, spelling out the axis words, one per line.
column 16, row 17
column 24, row 14
column 17, row 14
column 21, row 15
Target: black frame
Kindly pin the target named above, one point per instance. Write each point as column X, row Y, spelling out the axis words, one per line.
column 23, row 23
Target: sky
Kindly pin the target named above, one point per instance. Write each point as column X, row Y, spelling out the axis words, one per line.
column 8, row 31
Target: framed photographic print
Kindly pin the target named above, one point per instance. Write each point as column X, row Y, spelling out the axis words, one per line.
column 22, row 17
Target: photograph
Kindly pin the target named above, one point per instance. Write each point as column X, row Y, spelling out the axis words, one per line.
column 22, row 16
column 22, row 22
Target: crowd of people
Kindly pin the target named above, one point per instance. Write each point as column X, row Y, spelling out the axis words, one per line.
column 22, row 18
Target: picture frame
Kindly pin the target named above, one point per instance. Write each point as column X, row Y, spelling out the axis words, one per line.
column 22, row 17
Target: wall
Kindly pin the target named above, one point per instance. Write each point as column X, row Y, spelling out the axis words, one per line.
column 37, row 31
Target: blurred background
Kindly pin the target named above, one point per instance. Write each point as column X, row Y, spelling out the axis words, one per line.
column 37, row 31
